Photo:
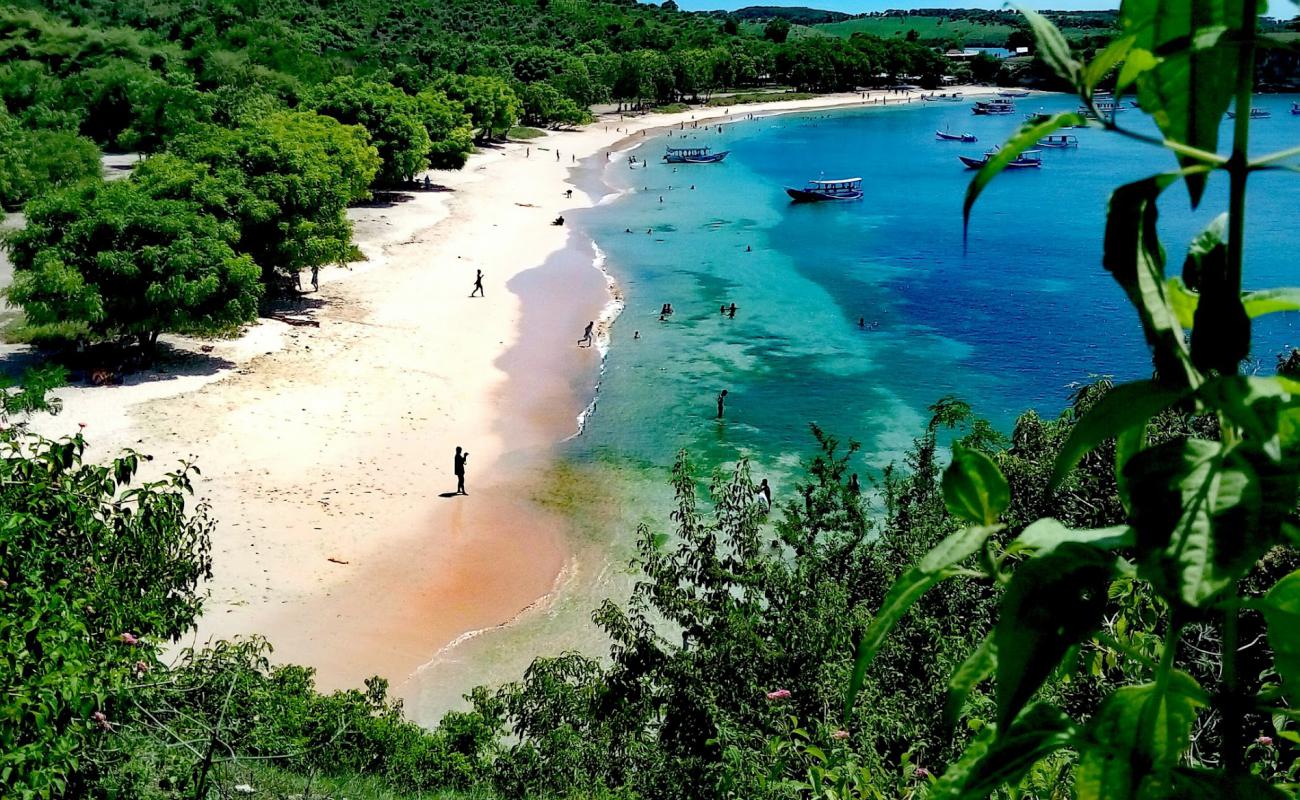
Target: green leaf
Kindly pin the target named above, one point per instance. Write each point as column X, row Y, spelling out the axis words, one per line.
column 1022, row 140
column 1189, row 86
column 1106, row 61
column 1127, row 444
column 933, row 568
column 1221, row 329
column 1037, row 733
column 1046, row 535
column 1053, row 49
column 1253, row 404
column 1271, row 301
column 1183, row 301
column 1204, row 513
column 1281, row 607
column 973, row 486
column 1127, row 406
column 1134, row 257
column 977, row 667
column 1135, row 740
column 1053, row 602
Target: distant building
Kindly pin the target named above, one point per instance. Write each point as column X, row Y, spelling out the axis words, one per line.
column 970, row 53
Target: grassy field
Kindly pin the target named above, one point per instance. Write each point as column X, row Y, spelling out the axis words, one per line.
column 926, row 27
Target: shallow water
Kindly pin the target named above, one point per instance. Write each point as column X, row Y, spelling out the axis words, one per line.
column 1009, row 321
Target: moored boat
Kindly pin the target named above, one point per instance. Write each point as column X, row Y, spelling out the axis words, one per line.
column 1295, row 107
column 1029, row 159
column 1260, row 113
column 944, row 136
column 993, row 107
column 1014, row 93
column 693, row 155
column 838, row 189
column 1059, row 141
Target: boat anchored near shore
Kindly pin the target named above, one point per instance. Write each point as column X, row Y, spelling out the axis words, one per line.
column 1030, row 159
column 945, row 136
column 817, row 191
column 694, row 155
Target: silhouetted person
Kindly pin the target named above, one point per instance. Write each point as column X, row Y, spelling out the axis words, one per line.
column 854, row 486
column 586, row 334
column 731, row 312
column 765, row 492
column 722, row 401
column 568, row 193
column 315, row 277
column 458, row 466
column 862, row 322
column 478, row 284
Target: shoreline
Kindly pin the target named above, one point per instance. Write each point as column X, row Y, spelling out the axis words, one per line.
column 324, row 449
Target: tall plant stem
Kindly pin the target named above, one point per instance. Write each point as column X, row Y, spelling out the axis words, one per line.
column 1239, row 172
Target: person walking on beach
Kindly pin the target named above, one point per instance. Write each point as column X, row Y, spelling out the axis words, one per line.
column 765, row 492
column 586, row 334
column 315, row 277
column 458, row 466
column 722, row 401
column 478, row 284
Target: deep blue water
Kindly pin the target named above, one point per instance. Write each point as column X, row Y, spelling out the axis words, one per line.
column 1009, row 320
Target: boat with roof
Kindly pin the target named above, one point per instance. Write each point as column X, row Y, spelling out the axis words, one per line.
column 945, row 136
column 993, row 107
column 1059, row 141
column 694, row 155
column 819, row 190
column 1030, row 159
column 1258, row 113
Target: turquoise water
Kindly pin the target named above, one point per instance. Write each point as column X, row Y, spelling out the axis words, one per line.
column 1010, row 321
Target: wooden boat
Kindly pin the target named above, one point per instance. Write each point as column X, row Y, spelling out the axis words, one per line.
column 944, row 136
column 693, row 155
column 1260, row 113
column 1014, row 93
column 993, row 107
column 1030, row 159
column 1059, row 141
column 817, row 191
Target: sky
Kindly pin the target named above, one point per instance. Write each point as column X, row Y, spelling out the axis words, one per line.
column 863, row 6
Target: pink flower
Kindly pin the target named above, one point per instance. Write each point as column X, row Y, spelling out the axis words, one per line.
column 141, row 667
column 922, row 772
column 101, row 721
column 1267, row 741
column 840, row 734
column 779, row 694
column 129, row 639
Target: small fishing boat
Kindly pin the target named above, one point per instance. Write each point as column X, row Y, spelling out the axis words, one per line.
column 1059, row 141
column 1110, row 107
column 993, row 107
column 838, row 189
column 1029, row 159
column 944, row 136
column 1259, row 113
column 1014, row 93
column 1295, row 107
column 693, row 155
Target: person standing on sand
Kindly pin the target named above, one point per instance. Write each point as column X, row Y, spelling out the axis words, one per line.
column 722, row 401
column 315, row 277
column 458, row 466
column 478, row 284
column 586, row 334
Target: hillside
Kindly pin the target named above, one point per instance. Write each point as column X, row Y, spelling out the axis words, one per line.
column 795, row 15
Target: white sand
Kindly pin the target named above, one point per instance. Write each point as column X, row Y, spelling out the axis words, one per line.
column 335, row 442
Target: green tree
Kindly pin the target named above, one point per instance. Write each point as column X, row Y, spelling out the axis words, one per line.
column 285, row 181
column 32, row 161
column 394, row 119
column 777, row 30
column 120, row 263
column 490, row 102
column 450, row 129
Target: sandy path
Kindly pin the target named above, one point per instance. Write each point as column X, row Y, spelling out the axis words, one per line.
column 336, row 442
